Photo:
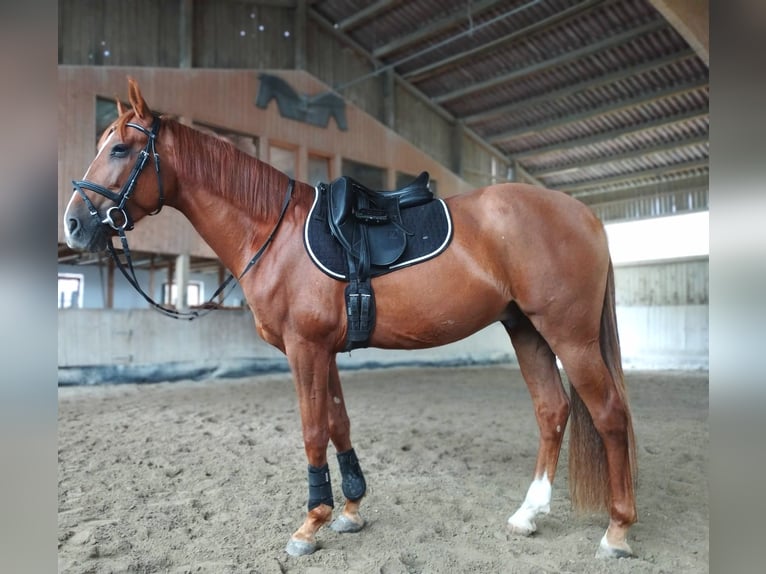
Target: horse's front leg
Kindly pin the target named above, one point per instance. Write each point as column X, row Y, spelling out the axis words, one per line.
column 353, row 483
column 311, row 366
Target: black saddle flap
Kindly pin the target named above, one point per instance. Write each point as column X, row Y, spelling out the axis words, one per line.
column 387, row 244
column 384, row 243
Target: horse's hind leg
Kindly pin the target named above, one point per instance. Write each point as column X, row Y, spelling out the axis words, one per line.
column 353, row 483
column 601, row 470
column 538, row 367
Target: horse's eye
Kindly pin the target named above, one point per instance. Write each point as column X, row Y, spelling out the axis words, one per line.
column 120, row 150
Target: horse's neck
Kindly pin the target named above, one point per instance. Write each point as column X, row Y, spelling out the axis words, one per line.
column 232, row 230
column 227, row 229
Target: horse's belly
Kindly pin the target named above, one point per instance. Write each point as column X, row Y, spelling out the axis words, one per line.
column 436, row 317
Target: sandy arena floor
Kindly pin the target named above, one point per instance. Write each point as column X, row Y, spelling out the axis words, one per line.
column 210, row 477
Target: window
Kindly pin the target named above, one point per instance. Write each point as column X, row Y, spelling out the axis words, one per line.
column 403, row 179
column 669, row 237
column 319, row 169
column 282, row 159
column 243, row 142
column 70, row 290
column 372, row 176
column 195, row 292
column 106, row 113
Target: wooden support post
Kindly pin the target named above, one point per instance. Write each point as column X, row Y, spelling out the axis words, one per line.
column 301, row 17
column 691, row 19
column 170, row 281
column 150, row 290
column 182, row 281
column 390, row 178
column 221, row 277
column 109, row 303
column 389, row 99
column 186, row 34
column 336, row 167
column 302, row 163
column 458, row 133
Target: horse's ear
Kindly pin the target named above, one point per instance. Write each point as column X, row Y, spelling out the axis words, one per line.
column 120, row 108
column 137, row 100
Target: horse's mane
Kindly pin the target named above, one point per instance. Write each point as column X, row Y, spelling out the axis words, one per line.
column 225, row 170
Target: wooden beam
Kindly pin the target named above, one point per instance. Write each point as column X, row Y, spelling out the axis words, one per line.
column 639, row 100
column 437, row 67
column 611, row 134
column 678, row 184
column 366, row 14
column 558, row 60
column 522, row 175
column 633, row 154
column 691, row 19
column 405, row 85
column 643, row 174
column 379, row 66
column 580, row 86
column 448, row 22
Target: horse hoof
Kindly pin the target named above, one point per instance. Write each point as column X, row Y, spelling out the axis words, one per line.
column 605, row 550
column 345, row 524
column 521, row 527
column 300, row 547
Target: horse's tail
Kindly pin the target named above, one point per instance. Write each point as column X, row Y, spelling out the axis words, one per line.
column 588, row 473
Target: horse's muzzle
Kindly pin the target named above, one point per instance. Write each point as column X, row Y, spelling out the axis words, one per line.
column 84, row 232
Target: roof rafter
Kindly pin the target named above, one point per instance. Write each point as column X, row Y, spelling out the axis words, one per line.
column 432, row 29
column 611, row 134
column 633, row 154
column 435, row 68
column 639, row 100
column 581, row 86
column 365, row 15
column 682, row 182
column 558, row 60
column 636, row 175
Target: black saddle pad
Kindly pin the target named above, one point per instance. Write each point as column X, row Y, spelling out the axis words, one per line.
column 430, row 225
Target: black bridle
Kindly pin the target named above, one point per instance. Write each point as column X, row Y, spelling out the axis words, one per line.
column 126, row 224
column 121, row 198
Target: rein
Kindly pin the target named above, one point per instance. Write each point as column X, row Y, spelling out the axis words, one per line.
column 121, row 198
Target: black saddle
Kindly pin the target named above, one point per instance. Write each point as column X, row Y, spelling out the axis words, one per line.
column 368, row 223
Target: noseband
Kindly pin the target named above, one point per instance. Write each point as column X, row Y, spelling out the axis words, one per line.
column 121, row 198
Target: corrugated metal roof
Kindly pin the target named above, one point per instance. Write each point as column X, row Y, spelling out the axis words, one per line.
column 589, row 96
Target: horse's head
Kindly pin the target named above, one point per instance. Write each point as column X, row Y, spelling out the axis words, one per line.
column 123, row 182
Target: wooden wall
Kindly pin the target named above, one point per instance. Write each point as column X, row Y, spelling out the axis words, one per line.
column 225, row 99
column 669, row 283
column 240, row 35
column 134, row 33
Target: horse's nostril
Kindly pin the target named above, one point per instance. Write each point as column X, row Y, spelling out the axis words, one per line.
column 74, row 224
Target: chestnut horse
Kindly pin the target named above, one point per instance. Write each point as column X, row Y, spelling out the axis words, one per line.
column 533, row 259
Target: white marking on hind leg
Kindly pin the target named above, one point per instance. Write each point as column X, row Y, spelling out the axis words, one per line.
column 537, row 501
